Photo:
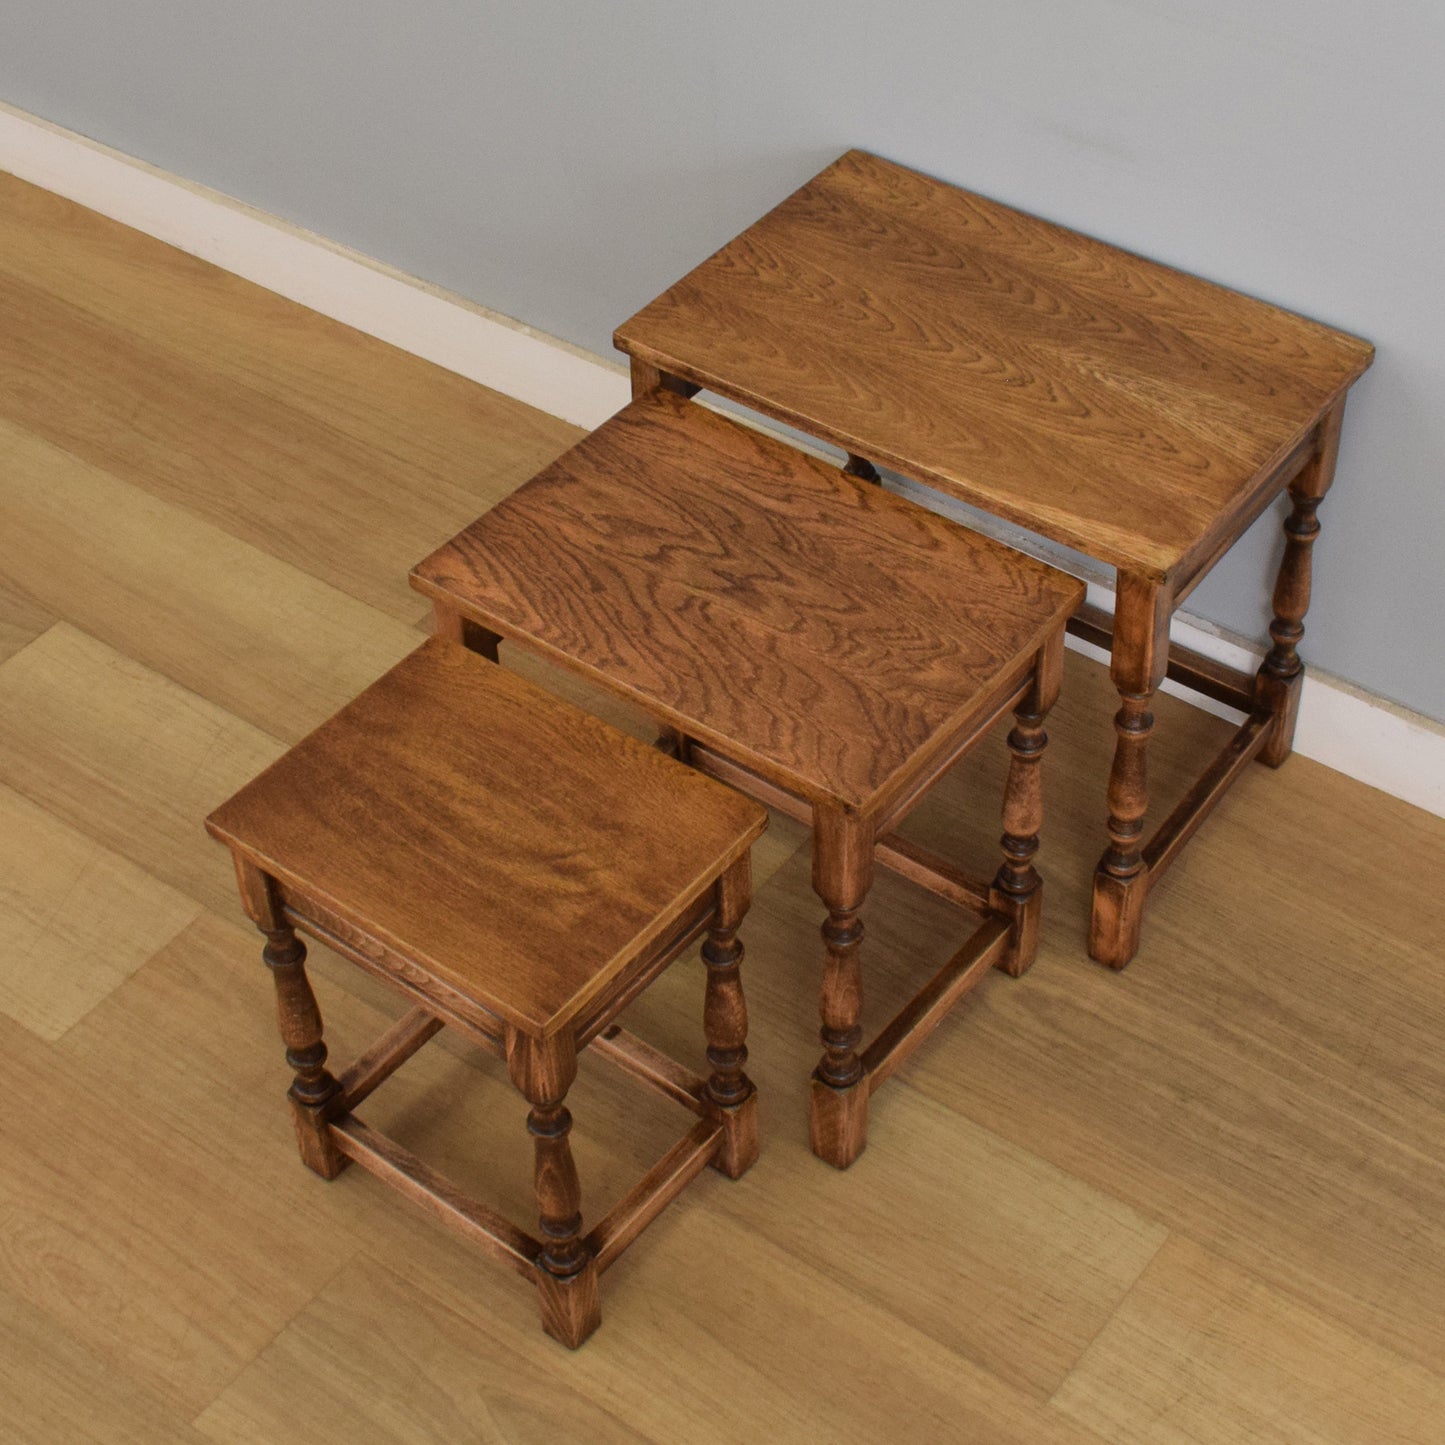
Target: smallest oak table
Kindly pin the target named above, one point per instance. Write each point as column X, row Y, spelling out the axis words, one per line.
column 804, row 635
column 520, row 871
column 1137, row 414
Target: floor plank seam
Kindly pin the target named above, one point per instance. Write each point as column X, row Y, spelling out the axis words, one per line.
column 243, row 1366
column 1093, row 1340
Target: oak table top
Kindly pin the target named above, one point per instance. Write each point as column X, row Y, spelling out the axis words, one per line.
column 825, row 633
column 1100, row 399
column 520, row 812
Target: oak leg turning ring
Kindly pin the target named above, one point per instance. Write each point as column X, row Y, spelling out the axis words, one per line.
column 543, row 1070
column 1140, row 656
column 314, row 1087
column 1017, row 889
column 842, row 873
column 1280, row 679
column 731, row 1097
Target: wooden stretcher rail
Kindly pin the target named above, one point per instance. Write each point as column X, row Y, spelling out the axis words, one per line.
column 918, row 864
column 373, row 1068
column 1004, row 700
column 931, row 871
column 705, row 760
column 1199, row 560
column 1197, row 804
column 688, row 929
column 479, row 1025
column 651, row 1065
column 654, row 1192
column 1211, row 678
column 1204, row 675
column 436, row 1194
column 918, row 1019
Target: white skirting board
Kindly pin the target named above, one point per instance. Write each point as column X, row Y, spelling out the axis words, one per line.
column 328, row 278
column 1342, row 726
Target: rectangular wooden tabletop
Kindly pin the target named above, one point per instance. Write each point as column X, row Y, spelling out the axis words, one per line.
column 508, row 843
column 1094, row 397
column 809, row 625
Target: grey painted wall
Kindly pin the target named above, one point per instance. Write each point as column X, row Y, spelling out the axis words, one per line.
column 562, row 162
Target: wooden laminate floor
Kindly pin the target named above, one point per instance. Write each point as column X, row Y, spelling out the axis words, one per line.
column 1201, row 1201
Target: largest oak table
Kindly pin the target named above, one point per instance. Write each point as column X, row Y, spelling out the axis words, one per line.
column 1134, row 413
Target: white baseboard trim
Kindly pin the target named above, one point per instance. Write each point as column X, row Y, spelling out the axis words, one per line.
column 1340, row 725
column 1366, row 737
column 338, row 282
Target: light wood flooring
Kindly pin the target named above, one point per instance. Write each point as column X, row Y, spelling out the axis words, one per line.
column 1200, row 1201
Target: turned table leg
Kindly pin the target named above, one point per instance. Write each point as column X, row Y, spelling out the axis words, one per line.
column 1140, row 657
column 543, row 1071
column 842, row 873
column 299, row 1017
column 1017, row 889
column 1280, row 678
column 732, row 1099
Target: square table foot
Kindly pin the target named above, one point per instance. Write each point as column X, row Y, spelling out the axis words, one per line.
column 318, row 1149
column 1117, row 914
column 737, row 1150
column 571, row 1307
column 1022, row 916
column 1279, row 696
column 838, row 1122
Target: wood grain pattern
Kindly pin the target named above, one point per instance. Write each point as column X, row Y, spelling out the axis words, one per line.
column 77, row 919
column 1178, row 1365
column 897, row 1384
column 1281, row 1110
column 811, row 625
column 656, row 1069
column 22, row 620
column 126, row 757
column 138, row 357
column 784, row 834
column 392, row 967
column 910, row 1028
column 626, row 1220
column 173, row 1299
column 527, row 811
column 424, row 1188
column 1098, row 398
column 52, row 1388
column 1196, row 805
column 182, row 595
column 416, row 1372
column 1140, row 415
column 371, row 1069
column 968, row 1189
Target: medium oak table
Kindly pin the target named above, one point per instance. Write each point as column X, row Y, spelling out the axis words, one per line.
column 1137, row 414
column 815, row 641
